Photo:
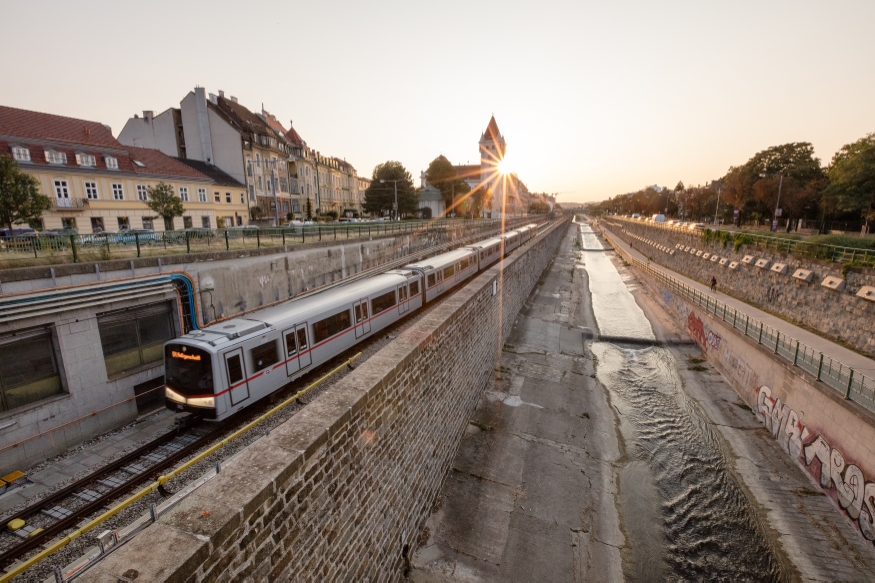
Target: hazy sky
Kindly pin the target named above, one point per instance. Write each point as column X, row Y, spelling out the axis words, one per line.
column 593, row 98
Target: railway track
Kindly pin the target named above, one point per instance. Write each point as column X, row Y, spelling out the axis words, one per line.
column 70, row 506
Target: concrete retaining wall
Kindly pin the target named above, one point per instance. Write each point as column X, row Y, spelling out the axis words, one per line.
column 839, row 315
column 342, row 490
column 832, row 440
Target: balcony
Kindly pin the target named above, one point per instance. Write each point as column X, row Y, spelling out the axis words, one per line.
column 69, row 204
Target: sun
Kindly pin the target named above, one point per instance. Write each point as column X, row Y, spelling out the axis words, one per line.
column 504, row 167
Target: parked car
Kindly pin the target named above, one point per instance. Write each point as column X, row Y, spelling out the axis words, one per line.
column 696, row 227
column 12, row 239
column 130, row 237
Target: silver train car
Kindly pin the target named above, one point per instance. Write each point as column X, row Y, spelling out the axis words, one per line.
column 220, row 369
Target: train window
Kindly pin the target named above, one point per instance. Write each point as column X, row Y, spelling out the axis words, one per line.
column 358, row 313
column 291, row 347
column 430, row 280
column 330, row 326
column 302, row 338
column 414, row 288
column 383, row 302
column 402, row 293
column 464, row 264
column 448, row 271
column 235, row 369
column 265, row 355
column 365, row 310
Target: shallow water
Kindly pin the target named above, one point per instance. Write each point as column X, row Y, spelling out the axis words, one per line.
column 683, row 512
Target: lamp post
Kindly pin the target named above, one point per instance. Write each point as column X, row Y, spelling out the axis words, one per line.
column 395, row 184
column 778, row 203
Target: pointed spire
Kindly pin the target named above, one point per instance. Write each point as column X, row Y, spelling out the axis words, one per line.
column 492, row 132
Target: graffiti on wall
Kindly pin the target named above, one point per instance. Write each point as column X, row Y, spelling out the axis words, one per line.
column 824, row 463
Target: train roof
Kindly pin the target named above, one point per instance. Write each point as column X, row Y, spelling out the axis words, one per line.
column 485, row 243
column 441, row 260
column 328, row 298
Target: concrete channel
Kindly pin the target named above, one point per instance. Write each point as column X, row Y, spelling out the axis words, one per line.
column 598, row 459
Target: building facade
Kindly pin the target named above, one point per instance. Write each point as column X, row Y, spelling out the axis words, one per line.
column 96, row 184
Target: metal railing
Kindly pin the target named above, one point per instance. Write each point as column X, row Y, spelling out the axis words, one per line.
column 854, row 385
column 47, row 248
column 834, row 253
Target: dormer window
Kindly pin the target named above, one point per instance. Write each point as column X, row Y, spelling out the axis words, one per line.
column 85, row 159
column 21, row 153
column 111, row 162
column 56, row 157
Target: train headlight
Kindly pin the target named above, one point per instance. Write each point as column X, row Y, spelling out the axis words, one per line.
column 173, row 395
column 202, row 402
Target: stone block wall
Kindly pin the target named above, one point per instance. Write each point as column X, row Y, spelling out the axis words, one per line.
column 342, row 490
column 838, row 315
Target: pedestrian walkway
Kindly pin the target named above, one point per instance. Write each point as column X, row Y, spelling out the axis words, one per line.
column 82, row 460
column 839, row 353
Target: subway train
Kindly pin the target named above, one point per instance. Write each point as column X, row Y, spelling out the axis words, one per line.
column 218, row 370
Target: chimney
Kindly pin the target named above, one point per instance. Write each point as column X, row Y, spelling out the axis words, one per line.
column 232, row 98
column 148, row 115
column 221, row 93
column 213, row 99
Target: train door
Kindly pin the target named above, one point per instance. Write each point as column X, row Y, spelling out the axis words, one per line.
column 362, row 323
column 304, row 357
column 293, row 357
column 236, row 369
column 440, row 280
column 403, row 300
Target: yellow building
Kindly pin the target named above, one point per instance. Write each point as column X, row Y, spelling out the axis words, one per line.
column 97, row 184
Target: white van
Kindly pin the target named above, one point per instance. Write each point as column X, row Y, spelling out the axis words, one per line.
column 658, row 218
column 636, row 216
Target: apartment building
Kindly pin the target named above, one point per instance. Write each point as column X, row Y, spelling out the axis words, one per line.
column 97, row 184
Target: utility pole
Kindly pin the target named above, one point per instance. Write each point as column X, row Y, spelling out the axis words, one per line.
column 716, row 210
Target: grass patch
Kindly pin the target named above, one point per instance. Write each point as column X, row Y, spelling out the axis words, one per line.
column 508, row 346
column 540, row 282
column 698, row 368
column 482, row 426
column 625, row 263
column 743, row 406
column 697, row 360
column 584, row 415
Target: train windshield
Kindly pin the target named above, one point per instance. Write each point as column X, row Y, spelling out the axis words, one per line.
column 188, row 370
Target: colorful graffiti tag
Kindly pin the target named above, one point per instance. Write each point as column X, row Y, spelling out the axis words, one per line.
column 824, row 463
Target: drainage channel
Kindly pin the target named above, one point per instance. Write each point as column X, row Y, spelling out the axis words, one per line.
column 684, row 514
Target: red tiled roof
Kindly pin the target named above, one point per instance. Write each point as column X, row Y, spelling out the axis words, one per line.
column 21, row 123
column 156, row 162
column 38, row 156
column 295, row 138
column 274, row 124
column 239, row 115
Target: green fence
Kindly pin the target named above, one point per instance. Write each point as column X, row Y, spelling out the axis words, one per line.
column 854, row 385
column 42, row 249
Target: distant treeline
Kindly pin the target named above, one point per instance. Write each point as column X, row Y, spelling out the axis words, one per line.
column 840, row 195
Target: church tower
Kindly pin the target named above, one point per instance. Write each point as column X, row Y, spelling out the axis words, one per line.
column 492, row 150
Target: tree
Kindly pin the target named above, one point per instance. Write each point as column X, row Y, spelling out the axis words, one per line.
column 309, row 209
column 20, row 198
column 165, row 203
column 852, row 178
column 442, row 175
column 481, row 198
column 380, row 196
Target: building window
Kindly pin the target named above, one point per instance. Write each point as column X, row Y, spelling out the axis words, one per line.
column 132, row 338
column 124, row 224
column 28, row 368
column 251, row 192
column 183, row 193
column 205, row 222
column 91, row 190
column 259, row 183
column 68, row 222
column 147, row 223
column 228, row 197
column 202, row 195
column 86, row 160
column 118, row 191
column 62, row 191
column 217, row 196
column 296, row 206
column 55, row 157
column 97, row 225
column 258, row 160
column 142, row 192
column 186, row 222
column 249, row 166
column 111, row 162
column 21, row 154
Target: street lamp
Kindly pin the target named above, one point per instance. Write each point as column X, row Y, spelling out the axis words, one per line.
column 778, row 203
column 395, row 184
